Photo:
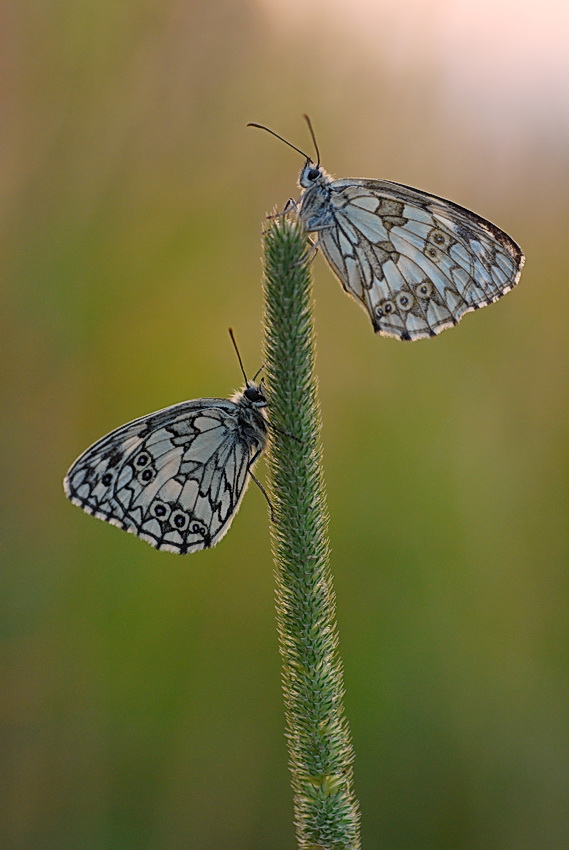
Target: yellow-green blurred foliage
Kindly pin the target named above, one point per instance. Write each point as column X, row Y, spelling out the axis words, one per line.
column 142, row 706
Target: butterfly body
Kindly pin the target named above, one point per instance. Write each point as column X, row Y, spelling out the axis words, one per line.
column 414, row 261
column 174, row 478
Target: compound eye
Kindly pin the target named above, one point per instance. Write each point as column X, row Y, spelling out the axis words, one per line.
column 252, row 394
column 313, row 174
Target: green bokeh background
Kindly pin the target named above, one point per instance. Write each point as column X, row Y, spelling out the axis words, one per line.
column 142, row 706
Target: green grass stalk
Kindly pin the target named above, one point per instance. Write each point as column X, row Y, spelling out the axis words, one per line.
column 320, row 750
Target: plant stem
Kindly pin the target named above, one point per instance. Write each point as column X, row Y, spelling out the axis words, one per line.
column 320, row 750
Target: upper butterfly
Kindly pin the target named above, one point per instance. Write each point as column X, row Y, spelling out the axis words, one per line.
column 175, row 478
column 415, row 262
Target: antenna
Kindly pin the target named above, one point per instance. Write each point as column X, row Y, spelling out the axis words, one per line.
column 238, row 355
column 309, row 122
column 272, row 132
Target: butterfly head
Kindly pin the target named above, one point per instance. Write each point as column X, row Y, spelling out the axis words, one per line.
column 255, row 394
column 313, row 175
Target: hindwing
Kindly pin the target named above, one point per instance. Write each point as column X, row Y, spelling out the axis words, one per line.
column 174, row 478
column 415, row 262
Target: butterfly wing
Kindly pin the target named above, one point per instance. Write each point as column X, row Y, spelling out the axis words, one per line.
column 415, row 262
column 174, row 478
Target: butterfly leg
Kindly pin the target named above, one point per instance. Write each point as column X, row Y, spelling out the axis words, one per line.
column 264, row 492
column 284, row 433
column 258, row 483
column 290, row 206
column 311, row 252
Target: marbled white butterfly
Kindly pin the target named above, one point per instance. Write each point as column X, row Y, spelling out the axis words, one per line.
column 415, row 262
column 175, row 478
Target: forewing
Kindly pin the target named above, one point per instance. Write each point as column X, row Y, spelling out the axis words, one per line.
column 174, row 478
column 416, row 262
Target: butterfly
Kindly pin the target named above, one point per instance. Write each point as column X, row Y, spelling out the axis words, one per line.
column 175, row 478
column 415, row 262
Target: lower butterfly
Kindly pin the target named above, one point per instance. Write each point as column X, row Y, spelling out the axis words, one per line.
column 175, row 478
column 415, row 262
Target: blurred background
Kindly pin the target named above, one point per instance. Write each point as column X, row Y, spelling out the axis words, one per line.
column 142, row 706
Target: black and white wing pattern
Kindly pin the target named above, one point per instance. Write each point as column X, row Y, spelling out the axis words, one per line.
column 415, row 262
column 174, row 478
